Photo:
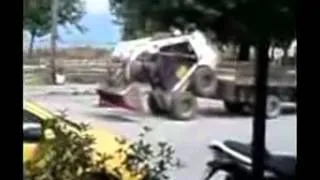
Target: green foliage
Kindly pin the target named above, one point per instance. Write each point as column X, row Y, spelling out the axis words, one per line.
column 141, row 18
column 237, row 20
column 38, row 15
column 37, row 18
column 157, row 159
column 68, row 154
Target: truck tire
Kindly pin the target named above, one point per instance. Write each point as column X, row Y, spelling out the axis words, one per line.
column 273, row 106
column 204, row 82
column 233, row 107
column 184, row 105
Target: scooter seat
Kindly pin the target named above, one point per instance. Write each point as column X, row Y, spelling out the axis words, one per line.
column 242, row 148
column 281, row 164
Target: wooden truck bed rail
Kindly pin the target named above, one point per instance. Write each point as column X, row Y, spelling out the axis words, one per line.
column 243, row 73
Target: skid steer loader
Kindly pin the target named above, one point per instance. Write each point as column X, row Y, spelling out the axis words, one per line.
column 177, row 68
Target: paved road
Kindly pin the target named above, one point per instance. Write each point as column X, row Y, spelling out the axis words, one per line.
column 190, row 139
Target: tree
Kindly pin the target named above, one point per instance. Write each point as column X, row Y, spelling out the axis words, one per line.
column 140, row 18
column 36, row 21
column 37, row 17
column 239, row 21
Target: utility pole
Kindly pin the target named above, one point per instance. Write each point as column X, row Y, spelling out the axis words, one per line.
column 54, row 11
column 259, row 122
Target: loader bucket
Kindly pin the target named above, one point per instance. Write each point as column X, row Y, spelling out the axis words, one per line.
column 128, row 98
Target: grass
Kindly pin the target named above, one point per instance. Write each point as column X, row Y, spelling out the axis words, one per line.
column 34, row 80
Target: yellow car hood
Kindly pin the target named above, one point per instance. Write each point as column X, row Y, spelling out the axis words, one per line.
column 106, row 143
column 105, row 140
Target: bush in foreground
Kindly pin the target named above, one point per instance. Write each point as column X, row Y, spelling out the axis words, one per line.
column 67, row 154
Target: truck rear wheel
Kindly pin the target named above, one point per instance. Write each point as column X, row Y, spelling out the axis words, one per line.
column 233, row 107
column 273, row 106
column 184, row 105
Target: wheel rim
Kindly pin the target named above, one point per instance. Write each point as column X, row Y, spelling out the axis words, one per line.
column 186, row 107
column 273, row 106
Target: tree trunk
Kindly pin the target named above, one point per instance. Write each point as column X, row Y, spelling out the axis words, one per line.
column 30, row 50
column 244, row 52
column 259, row 126
column 53, row 40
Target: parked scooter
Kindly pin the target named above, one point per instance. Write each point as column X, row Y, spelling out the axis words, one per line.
column 235, row 159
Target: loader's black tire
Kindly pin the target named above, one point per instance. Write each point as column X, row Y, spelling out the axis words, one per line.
column 153, row 105
column 204, row 82
column 184, row 106
column 273, row 106
column 233, row 107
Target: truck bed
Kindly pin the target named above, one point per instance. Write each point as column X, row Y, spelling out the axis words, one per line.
column 243, row 73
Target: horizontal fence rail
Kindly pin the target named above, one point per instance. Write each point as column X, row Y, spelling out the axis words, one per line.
column 76, row 70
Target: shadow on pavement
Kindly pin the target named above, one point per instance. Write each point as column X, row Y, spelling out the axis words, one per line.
column 289, row 110
column 218, row 112
column 127, row 117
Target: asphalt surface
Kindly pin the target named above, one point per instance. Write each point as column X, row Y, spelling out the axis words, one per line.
column 190, row 139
